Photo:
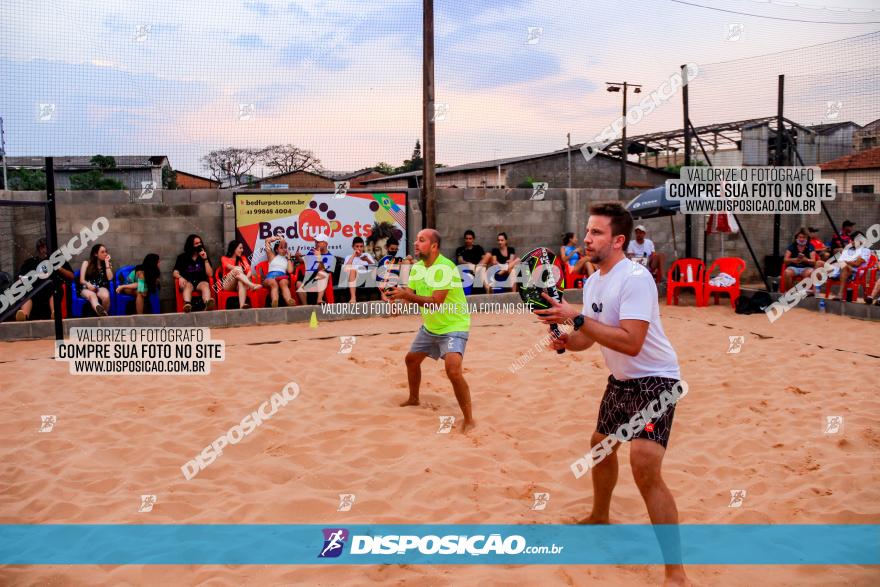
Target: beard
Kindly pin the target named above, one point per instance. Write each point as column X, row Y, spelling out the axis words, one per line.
column 598, row 255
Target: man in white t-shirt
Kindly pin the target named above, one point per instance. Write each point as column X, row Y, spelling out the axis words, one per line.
column 622, row 315
column 357, row 267
column 850, row 261
column 642, row 251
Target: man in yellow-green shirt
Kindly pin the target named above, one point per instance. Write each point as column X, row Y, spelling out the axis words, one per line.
column 435, row 285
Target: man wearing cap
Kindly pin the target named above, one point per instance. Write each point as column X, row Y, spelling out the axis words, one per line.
column 40, row 306
column 319, row 267
column 839, row 241
column 641, row 250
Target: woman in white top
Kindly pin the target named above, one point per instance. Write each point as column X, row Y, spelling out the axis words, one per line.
column 280, row 268
column 356, row 266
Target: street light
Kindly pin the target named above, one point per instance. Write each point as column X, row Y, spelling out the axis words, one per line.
column 616, row 87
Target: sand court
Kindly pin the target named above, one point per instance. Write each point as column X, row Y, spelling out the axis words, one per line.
column 753, row 421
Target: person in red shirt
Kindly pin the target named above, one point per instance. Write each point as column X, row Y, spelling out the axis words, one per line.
column 818, row 245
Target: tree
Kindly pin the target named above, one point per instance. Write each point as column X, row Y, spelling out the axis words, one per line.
column 231, row 164
column 27, row 179
column 415, row 163
column 103, row 162
column 169, row 178
column 94, row 180
column 385, row 168
column 288, row 159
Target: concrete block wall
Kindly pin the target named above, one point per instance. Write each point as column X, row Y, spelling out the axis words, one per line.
column 160, row 224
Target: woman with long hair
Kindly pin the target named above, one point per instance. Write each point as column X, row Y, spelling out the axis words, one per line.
column 142, row 282
column 237, row 273
column 95, row 276
column 193, row 271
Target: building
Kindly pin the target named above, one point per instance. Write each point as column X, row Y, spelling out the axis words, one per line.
column 602, row 171
column 744, row 142
column 191, row 181
column 858, row 173
column 293, row 179
column 867, row 137
column 356, row 178
column 132, row 170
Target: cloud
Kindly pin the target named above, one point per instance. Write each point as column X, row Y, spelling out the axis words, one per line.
column 250, row 42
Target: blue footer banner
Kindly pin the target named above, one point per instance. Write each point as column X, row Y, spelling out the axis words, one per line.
column 369, row 544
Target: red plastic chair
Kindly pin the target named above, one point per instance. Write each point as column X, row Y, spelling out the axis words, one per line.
column 178, row 295
column 63, row 300
column 673, row 284
column 860, row 279
column 222, row 295
column 733, row 266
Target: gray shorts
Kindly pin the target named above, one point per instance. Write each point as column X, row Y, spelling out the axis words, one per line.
column 437, row 345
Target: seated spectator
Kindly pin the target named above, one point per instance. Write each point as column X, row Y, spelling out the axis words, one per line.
column 40, row 306
column 357, row 266
column 474, row 257
column 319, row 264
column 142, row 282
column 388, row 268
column 641, row 250
column 95, row 276
column 193, row 270
column 280, row 268
column 570, row 252
column 851, row 260
column 800, row 259
column 839, row 241
column 821, row 250
column 505, row 259
column 573, row 255
column 237, row 273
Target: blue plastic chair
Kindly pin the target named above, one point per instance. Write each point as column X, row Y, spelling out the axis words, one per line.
column 78, row 304
column 120, row 301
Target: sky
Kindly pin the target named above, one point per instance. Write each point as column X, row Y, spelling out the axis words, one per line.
column 344, row 78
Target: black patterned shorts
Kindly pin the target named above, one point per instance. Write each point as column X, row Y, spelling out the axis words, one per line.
column 625, row 399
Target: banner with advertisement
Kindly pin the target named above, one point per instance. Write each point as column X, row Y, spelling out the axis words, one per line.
column 298, row 217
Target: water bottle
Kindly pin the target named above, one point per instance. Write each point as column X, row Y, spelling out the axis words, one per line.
column 821, row 306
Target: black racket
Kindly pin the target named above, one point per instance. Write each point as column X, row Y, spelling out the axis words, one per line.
column 543, row 277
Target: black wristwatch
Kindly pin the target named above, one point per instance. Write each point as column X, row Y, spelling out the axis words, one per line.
column 578, row 321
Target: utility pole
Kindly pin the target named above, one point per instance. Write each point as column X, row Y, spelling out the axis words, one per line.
column 429, row 184
column 616, row 87
column 568, row 137
column 688, row 222
column 779, row 159
column 3, row 153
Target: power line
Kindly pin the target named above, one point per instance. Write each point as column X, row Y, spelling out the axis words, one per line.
column 789, row 50
column 773, row 17
column 788, row 4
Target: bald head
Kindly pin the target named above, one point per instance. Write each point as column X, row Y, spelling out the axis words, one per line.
column 432, row 235
column 425, row 244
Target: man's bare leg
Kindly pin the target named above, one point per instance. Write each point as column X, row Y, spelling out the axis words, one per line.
column 646, row 458
column 845, row 272
column 414, row 377
column 462, row 391
column 604, row 477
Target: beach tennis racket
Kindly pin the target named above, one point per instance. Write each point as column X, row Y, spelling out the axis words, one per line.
column 544, row 277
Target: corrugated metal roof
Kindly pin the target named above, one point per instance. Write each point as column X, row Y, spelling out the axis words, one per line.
column 84, row 161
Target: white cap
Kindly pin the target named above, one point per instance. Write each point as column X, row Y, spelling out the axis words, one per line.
column 640, row 227
column 322, row 237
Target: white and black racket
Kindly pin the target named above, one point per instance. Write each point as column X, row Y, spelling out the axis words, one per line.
column 544, row 277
